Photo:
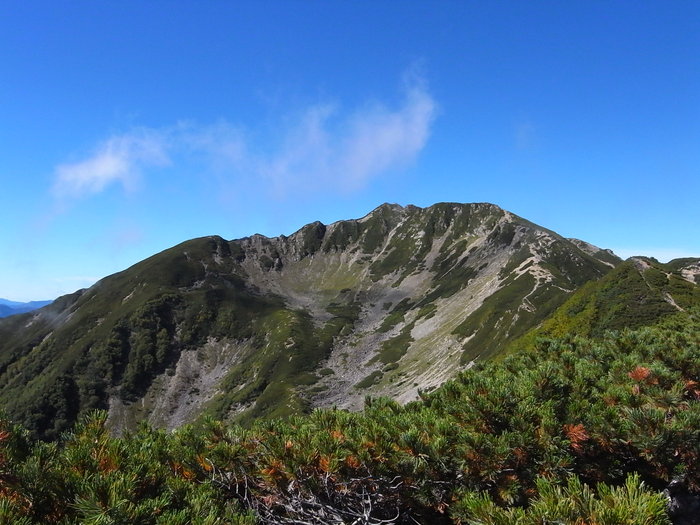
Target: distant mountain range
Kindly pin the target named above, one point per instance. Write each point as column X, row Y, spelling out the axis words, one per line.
column 14, row 307
column 389, row 304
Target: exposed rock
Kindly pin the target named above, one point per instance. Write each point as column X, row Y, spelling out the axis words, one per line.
column 394, row 302
column 683, row 505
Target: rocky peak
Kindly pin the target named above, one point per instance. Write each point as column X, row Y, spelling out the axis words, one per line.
column 400, row 299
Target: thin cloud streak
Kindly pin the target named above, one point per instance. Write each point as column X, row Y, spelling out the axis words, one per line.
column 381, row 139
column 324, row 148
column 347, row 152
column 117, row 160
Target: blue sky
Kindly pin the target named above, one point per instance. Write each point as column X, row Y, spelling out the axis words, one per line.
column 128, row 127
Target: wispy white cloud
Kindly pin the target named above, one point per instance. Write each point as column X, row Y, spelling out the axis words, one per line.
column 323, row 147
column 116, row 160
column 346, row 150
column 381, row 139
column 221, row 143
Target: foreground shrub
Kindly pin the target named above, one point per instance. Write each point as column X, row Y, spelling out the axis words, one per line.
column 578, row 431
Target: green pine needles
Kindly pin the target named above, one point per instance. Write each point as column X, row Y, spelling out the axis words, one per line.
column 575, row 431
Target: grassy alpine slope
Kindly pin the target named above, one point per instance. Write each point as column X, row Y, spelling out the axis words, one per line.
column 639, row 292
column 574, row 430
column 401, row 299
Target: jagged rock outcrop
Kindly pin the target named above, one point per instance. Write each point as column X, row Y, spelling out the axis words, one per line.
column 396, row 301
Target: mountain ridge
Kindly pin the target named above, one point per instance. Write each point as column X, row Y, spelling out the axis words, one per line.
column 393, row 302
column 8, row 307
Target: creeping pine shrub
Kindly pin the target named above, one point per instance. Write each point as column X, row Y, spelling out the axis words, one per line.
column 577, row 430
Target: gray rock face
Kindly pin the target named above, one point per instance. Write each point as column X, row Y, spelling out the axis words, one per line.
column 683, row 505
column 396, row 301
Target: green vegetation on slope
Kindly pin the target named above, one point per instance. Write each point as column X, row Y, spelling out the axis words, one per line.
column 278, row 307
column 576, row 430
column 637, row 293
column 290, row 351
column 122, row 334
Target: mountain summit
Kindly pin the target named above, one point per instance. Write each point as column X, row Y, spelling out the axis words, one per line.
column 396, row 301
